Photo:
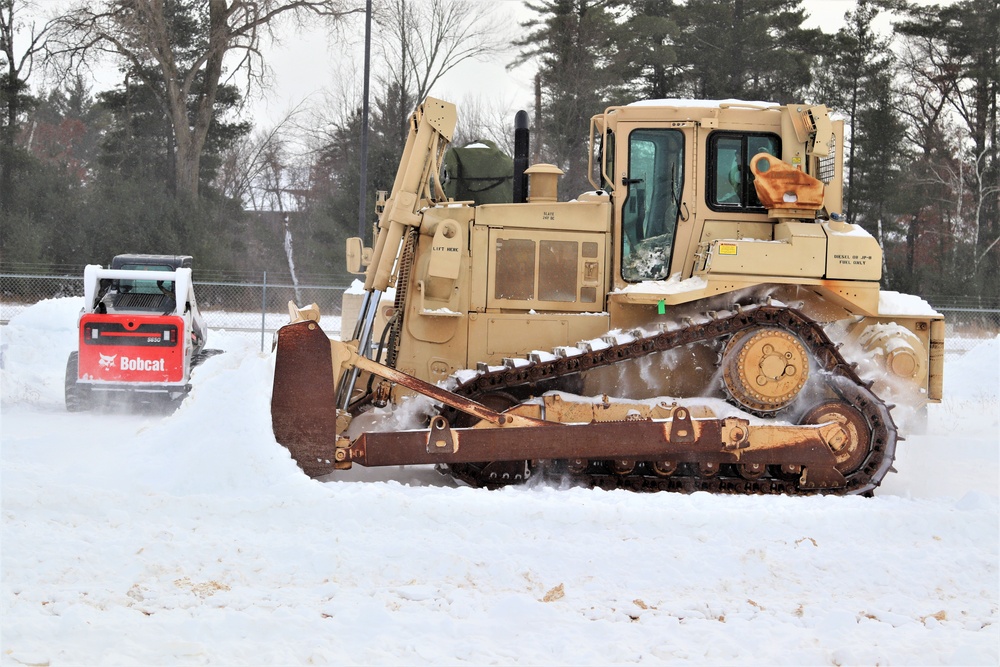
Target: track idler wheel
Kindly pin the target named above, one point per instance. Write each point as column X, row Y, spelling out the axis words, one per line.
column 852, row 440
column 765, row 369
column 623, row 466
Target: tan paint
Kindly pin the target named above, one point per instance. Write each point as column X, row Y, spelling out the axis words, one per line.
column 502, row 280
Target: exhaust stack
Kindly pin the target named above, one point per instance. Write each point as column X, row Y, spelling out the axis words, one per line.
column 521, row 147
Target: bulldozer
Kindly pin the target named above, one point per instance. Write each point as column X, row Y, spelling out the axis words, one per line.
column 703, row 319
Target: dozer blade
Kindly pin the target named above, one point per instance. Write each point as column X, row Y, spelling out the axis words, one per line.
column 680, row 440
column 303, row 398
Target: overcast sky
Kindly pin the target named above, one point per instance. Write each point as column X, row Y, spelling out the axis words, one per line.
column 307, row 63
column 305, row 66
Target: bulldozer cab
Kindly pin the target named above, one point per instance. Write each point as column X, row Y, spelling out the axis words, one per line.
column 681, row 175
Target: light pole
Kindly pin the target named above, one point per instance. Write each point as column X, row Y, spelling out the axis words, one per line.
column 363, row 194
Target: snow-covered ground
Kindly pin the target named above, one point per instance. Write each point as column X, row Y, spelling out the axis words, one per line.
column 192, row 538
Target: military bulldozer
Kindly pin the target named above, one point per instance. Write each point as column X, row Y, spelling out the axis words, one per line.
column 703, row 319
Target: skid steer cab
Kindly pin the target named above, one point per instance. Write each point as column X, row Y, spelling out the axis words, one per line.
column 140, row 334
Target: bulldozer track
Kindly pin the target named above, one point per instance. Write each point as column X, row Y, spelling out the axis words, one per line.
column 837, row 375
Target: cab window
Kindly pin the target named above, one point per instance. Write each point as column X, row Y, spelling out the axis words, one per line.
column 729, row 179
column 146, row 286
column 654, row 183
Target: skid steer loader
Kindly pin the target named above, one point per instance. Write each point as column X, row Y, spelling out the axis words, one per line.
column 140, row 334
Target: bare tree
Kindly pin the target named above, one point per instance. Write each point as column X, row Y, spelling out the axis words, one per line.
column 186, row 70
column 485, row 119
column 423, row 40
column 242, row 176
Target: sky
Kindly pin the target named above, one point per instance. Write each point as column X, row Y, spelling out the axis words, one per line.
column 491, row 81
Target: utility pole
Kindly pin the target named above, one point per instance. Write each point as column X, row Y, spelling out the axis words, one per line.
column 363, row 194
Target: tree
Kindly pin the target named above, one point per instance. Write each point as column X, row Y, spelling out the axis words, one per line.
column 64, row 130
column 858, row 73
column 421, row 41
column 573, row 42
column 962, row 44
column 139, row 142
column 15, row 99
column 746, row 49
column 648, row 56
column 484, row 119
column 182, row 45
column 932, row 191
column 417, row 43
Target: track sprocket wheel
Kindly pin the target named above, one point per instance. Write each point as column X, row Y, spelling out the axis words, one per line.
column 765, row 368
column 851, row 442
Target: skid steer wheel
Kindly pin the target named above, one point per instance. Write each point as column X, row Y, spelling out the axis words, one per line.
column 764, row 369
column 491, row 474
column 78, row 397
column 851, row 441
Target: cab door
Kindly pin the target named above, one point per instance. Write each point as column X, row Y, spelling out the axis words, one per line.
column 651, row 187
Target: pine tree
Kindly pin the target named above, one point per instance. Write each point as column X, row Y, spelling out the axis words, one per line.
column 745, row 49
column 648, row 54
column 573, row 43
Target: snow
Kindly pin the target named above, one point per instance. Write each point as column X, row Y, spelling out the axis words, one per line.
column 447, row 312
column 895, row 303
column 702, row 104
column 672, row 286
column 358, row 287
column 192, row 538
column 844, row 229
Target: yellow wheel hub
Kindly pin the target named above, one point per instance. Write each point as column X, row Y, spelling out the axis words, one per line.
column 765, row 369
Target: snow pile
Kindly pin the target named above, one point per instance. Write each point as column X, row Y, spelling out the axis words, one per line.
column 35, row 346
column 192, row 538
column 895, row 303
column 974, row 375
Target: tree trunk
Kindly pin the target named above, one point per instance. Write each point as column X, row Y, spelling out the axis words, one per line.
column 187, row 165
column 191, row 125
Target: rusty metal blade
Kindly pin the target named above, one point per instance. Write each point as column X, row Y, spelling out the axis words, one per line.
column 637, row 440
column 303, row 400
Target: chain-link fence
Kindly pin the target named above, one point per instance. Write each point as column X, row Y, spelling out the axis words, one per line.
column 253, row 307
column 969, row 320
column 965, row 328
column 257, row 304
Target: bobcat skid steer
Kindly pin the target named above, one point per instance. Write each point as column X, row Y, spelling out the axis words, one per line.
column 140, row 334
